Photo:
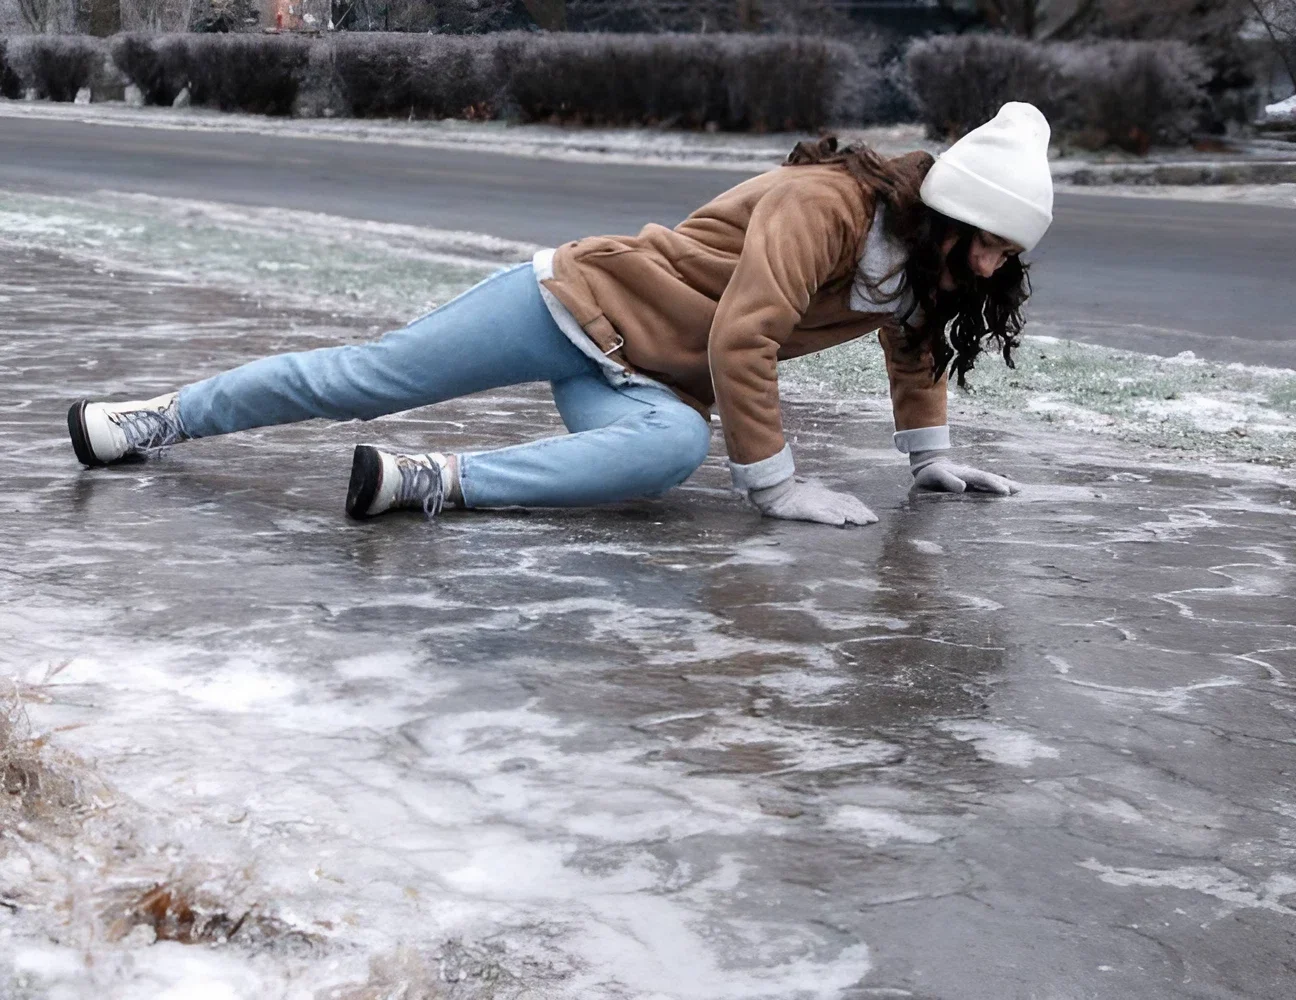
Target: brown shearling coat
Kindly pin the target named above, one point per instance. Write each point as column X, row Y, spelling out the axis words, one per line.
column 762, row 273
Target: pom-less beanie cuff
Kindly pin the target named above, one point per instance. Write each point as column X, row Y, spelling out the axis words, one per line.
column 967, row 197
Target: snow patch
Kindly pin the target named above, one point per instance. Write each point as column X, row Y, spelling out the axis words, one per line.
column 1220, row 883
column 881, row 826
column 1219, row 413
column 1281, row 112
column 999, row 744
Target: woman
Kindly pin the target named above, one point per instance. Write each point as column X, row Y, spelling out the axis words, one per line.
column 641, row 336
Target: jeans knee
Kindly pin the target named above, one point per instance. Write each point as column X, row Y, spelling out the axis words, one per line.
column 695, row 443
column 681, row 441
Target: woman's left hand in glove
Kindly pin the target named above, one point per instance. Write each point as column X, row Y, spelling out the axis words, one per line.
column 932, row 470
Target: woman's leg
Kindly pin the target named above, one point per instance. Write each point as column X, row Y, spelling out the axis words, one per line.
column 497, row 333
column 624, row 442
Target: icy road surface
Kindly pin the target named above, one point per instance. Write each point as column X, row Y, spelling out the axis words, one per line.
column 1038, row 747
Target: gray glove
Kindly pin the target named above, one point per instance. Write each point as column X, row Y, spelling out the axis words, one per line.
column 932, row 470
column 797, row 500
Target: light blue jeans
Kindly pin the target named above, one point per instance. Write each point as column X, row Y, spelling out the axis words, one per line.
column 625, row 442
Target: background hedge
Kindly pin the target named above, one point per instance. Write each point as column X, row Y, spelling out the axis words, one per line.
column 261, row 74
column 737, row 82
column 1131, row 94
column 54, row 67
column 417, row 76
column 733, row 82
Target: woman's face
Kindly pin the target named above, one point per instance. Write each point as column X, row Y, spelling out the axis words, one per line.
column 986, row 254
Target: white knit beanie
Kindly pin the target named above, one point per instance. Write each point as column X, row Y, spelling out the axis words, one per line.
column 997, row 177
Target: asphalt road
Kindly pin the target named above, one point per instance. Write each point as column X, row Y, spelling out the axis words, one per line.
column 1155, row 276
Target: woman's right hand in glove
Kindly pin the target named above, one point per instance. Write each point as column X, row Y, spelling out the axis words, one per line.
column 797, row 500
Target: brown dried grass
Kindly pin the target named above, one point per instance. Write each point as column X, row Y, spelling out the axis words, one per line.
column 39, row 782
column 50, row 800
column 180, row 911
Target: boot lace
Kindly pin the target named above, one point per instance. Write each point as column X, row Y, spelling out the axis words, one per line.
column 420, row 485
column 148, row 431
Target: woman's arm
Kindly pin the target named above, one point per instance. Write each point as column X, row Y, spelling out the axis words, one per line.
column 920, row 405
column 918, row 402
column 792, row 246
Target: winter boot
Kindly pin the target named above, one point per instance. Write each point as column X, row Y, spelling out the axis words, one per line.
column 108, row 432
column 383, row 481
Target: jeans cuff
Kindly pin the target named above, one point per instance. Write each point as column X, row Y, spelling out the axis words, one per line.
column 765, row 473
column 181, row 399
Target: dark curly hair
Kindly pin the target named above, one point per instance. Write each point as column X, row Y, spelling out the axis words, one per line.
column 955, row 326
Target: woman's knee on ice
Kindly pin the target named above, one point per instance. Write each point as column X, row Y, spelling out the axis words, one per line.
column 675, row 443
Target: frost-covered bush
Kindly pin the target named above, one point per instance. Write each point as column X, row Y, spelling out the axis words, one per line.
column 1130, row 94
column 10, row 83
column 878, row 92
column 423, row 76
column 1133, row 94
column 156, row 64
column 260, row 74
column 861, row 82
column 256, row 73
column 738, row 82
column 961, row 81
column 54, row 66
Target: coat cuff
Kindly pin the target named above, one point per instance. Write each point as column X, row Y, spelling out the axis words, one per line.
column 765, row 473
column 922, row 439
